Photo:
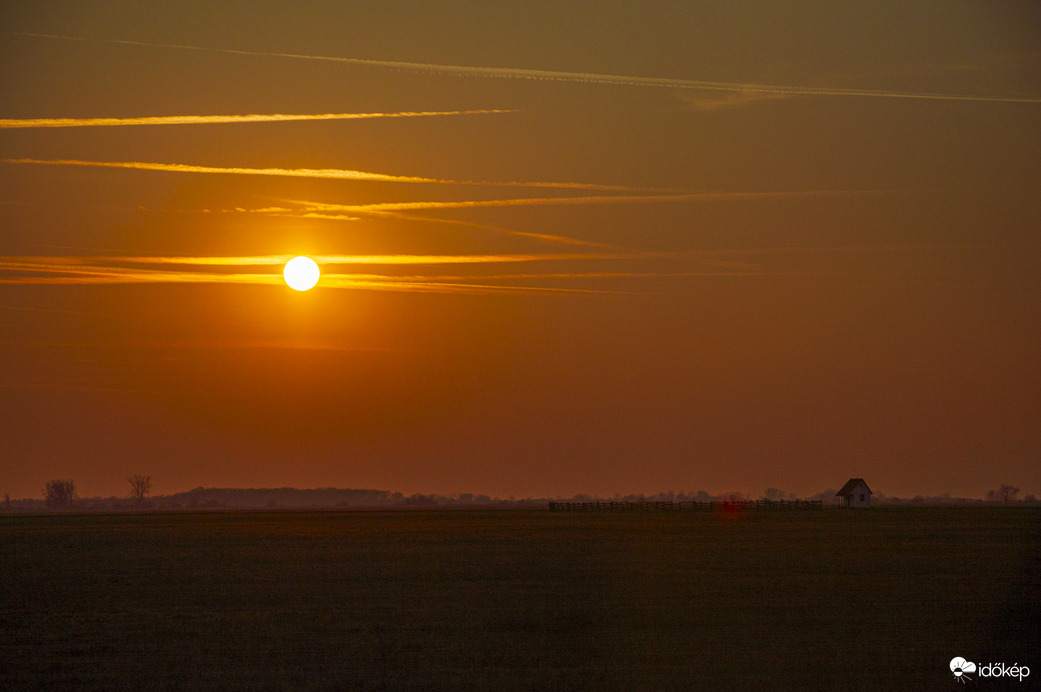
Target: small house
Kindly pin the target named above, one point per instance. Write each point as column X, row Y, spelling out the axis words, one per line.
column 855, row 493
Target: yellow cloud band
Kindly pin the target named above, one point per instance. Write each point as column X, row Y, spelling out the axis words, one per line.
column 8, row 124
column 327, row 173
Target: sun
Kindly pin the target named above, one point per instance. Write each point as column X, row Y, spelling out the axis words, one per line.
column 301, row 273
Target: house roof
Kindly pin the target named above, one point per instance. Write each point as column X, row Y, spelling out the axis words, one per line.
column 850, row 484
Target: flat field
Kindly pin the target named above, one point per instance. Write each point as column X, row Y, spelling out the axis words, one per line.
column 366, row 600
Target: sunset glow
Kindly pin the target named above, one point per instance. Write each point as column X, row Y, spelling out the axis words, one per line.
column 519, row 345
column 557, row 250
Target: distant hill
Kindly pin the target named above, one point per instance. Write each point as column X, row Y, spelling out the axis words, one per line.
column 290, row 498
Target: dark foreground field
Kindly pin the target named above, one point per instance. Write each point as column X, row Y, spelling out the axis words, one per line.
column 876, row 599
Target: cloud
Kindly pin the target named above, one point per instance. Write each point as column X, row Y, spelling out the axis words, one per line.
column 218, row 119
column 325, row 173
column 709, row 101
column 382, row 207
column 109, row 270
column 266, row 269
column 425, row 285
column 574, row 77
column 75, row 262
column 476, row 259
column 137, row 270
column 350, row 212
column 104, row 275
column 541, row 237
column 334, row 212
column 337, row 274
column 142, row 269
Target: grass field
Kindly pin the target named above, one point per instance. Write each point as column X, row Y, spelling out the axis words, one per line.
column 875, row 599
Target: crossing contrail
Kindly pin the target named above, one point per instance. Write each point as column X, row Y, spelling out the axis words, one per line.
column 576, row 77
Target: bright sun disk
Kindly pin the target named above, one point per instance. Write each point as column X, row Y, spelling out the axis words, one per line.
column 301, row 273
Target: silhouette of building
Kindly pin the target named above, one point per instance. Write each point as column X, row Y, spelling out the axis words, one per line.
column 855, row 493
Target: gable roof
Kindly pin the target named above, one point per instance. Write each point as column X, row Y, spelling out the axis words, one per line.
column 850, row 484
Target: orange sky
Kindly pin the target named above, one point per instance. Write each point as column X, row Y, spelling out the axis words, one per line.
column 565, row 248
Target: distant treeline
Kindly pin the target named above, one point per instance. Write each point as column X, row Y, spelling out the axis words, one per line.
column 274, row 498
column 353, row 498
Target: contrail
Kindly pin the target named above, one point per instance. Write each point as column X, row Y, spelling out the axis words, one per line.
column 476, row 259
column 335, row 173
column 26, row 262
column 380, row 207
column 329, row 173
column 116, row 264
column 100, row 276
column 576, row 77
column 338, row 212
column 423, row 286
column 101, row 270
column 85, row 274
column 220, row 119
column 111, row 270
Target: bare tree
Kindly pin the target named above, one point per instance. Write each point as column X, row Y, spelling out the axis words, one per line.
column 1007, row 493
column 59, row 493
column 139, row 487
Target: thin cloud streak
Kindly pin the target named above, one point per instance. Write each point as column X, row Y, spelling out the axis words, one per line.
column 334, row 173
column 121, row 270
column 319, row 210
column 848, row 249
column 326, row 173
column 475, row 259
column 8, row 124
column 84, row 271
column 425, row 286
column 26, row 263
column 334, row 281
column 105, row 275
column 575, row 77
column 119, row 263
column 542, row 237
column 75, row 262
column 341, row 212
column 602, row 275
column 379, row 207
column 108, row 270
column 89, row 275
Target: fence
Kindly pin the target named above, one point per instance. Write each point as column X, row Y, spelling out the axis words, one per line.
column 690, row 506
